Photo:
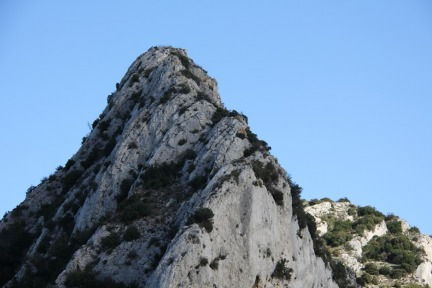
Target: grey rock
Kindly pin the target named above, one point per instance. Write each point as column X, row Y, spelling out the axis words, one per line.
column 166, row 112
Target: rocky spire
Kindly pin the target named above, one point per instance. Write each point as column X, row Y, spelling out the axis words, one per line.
column 169, row 189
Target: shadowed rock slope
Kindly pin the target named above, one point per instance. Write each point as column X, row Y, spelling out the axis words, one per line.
column 168, row 190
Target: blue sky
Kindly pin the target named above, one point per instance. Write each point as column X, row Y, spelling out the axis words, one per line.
column 340, row 89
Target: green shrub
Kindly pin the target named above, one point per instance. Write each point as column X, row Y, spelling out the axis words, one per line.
column 198, row 183
column 278, row 196
column 369, row 210
column 88, row 279
column 125, row 186
column 397, row 273
column 365, row 279
column 161, row 175
column 395, row 249
column 190, row 75
column 203, row 261
column 282, row 271
column 341, row 275
column 103, row 125
column 69, row 164
column 92, row 157
column 131, row 233
column 183, row 59
column 110, row 242
column 180, row 89
column 219, row 114
column 339, row 233
column 269, row 175
column 215, row 264
column 385, row 270
column 256, row 144
column 70, row 179
column 367, row 222
column 337, row 238
column 14, row 242
column 134, row 208
column 371, row 268
column 132, row 145
column 414, row 230
column 134, row 79
column 203, row 217
column 394, row 227
column 415, row 286
column 352, row 211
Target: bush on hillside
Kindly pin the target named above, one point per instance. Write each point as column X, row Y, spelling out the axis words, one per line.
column 203, row 217
column 397, row 250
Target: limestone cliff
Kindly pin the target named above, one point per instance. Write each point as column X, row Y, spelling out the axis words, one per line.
column 169, row 189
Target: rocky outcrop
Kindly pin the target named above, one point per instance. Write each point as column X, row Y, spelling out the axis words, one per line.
column 382, row 251
column 169, row 189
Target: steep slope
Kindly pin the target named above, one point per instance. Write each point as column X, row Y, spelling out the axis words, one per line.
column 168, row 190
column 383, row 251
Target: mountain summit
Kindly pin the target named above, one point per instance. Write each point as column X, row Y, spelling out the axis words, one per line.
column 169, row 189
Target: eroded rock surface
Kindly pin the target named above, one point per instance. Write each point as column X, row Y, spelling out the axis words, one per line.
column 168, row 190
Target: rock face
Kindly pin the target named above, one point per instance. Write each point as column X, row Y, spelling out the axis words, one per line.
column 381, row 251
column 168, row 190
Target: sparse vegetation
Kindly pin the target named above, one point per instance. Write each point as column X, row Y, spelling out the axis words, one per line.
column 203, row 217
column 414, row 230
column 131, row 233
column 110, row 241
column 134, row 78
column 198, row 183
column 270, row 176
column 161, row 175
column 88, row 279
column 183, row 59
column 256, row 144
column 282, row 271
column 215, row 264
column 125, row 186
column 341, row 274
column 179, row 89
column 365, row 279
column 14, row 242
column 70, row 179
column 134, row 208
column 188, row 74
column 132, row 145
column 203, row 261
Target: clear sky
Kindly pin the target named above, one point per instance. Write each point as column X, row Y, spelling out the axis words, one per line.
column 341, row 89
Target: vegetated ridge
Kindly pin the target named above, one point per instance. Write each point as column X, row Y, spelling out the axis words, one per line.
column 380, row 250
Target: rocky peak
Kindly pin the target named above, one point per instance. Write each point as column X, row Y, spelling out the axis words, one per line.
column 169, row 189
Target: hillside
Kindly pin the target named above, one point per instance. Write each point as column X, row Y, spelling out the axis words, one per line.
column 381, row 250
